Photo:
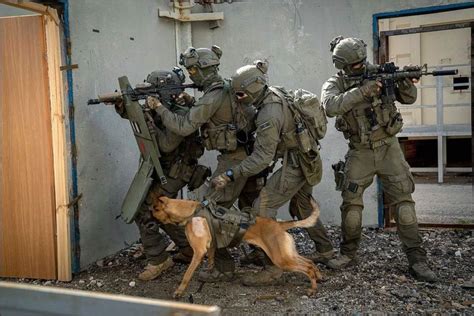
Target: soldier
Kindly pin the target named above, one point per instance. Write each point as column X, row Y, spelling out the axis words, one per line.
column 224, row 127
column 180, row 164
column 373, row 150
column 276, row 137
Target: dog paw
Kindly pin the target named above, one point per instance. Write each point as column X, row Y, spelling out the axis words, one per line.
column 178, row 294
column 311, row 292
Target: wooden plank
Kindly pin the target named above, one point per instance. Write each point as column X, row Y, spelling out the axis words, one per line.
column 27, row 216
column 56, row 95
column 34, row 7
column 22, row 299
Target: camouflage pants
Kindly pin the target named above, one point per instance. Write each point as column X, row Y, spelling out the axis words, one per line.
column 294, row 188
column 389, row 164
column 244, row 189
column 154, row 243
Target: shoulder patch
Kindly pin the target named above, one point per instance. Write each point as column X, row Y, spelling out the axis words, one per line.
column 265, row 125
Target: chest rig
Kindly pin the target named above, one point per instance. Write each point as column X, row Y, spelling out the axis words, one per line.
column 370, row 121
column 236, row 131
column 227, row 225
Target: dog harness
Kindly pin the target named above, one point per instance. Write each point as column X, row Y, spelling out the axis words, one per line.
column 227, row 225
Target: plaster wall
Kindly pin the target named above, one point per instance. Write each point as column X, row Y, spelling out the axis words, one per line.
column 111, row 38
column 294, row 36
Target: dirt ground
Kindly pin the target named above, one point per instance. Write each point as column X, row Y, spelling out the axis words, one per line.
column 380, row 283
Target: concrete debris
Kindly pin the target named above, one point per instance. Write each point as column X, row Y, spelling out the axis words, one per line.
column 379, row 284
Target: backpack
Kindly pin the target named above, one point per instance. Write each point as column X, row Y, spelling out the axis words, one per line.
column 308, row 113
column 311, row 111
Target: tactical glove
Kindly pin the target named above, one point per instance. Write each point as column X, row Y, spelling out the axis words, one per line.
column 184, row 99
column 371, row 88
column 220, row 181
column 153, row 103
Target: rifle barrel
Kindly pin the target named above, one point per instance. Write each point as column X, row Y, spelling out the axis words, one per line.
column 444, row 72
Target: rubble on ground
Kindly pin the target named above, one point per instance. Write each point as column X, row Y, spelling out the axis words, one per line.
column 379, row 283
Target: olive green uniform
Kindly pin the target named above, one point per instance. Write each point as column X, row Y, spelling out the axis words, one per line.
column 219, row 119
column 299, row 172
column 179, row 161
column 373, row 150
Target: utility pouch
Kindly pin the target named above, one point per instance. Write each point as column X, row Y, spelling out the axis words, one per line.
column 342, row 126
column 339, row 175
column 200, row 174
column 395, row 125
column 220, row 138
column 231, row 138
column 175, row 169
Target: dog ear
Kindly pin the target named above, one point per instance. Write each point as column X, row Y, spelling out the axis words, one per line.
column 179, row 210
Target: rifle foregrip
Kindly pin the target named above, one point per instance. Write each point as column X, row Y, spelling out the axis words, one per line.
column 445, row 72
column 93, row 101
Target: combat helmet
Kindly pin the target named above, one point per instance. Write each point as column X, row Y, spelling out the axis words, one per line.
column 347, row 52
column 165, row 78
column 201, row 63
column 250, row 82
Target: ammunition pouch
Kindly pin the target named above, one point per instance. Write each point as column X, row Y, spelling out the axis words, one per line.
column 180, row 170
column 222, row 138
column 342, row 126
column 395, row 124
column 200, row 174
column 339, row 175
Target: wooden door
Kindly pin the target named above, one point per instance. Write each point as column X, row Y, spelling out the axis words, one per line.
column 27, row 203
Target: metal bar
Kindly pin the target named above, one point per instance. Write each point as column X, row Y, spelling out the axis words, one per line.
column 444, row 86
column 450, row 65
column 21, row 299
column 418, row 106
column 447, row 169
column 380, row 210
column 424, row 29
column 439, row 126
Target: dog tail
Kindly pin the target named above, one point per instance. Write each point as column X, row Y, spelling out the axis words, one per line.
column 304, row 223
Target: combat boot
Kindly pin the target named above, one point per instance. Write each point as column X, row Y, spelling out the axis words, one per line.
column 322, row 257
column 268, row 276
column 341, row 262
column 422, row 272
column 215, row 276
column 153, row 271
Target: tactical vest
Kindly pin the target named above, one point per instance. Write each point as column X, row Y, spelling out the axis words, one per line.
column 227, row 225
column 367, row 122
column 230, row 127
column 182, row 163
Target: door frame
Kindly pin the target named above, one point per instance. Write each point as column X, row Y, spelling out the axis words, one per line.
column 380, row 52
column 63, row 201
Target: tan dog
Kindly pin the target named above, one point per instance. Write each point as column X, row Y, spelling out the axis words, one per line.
column 266, row 233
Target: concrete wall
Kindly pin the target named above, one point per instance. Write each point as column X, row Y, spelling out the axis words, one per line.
column 107, row 152
column 292, row 35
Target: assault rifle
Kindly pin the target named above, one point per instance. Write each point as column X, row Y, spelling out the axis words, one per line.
column 388, row 74
column 140, row 92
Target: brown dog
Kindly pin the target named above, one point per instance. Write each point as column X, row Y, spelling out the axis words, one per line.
column 266, row 233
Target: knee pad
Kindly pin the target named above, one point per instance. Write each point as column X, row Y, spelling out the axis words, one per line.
column 406, row 213
column 353, row 221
